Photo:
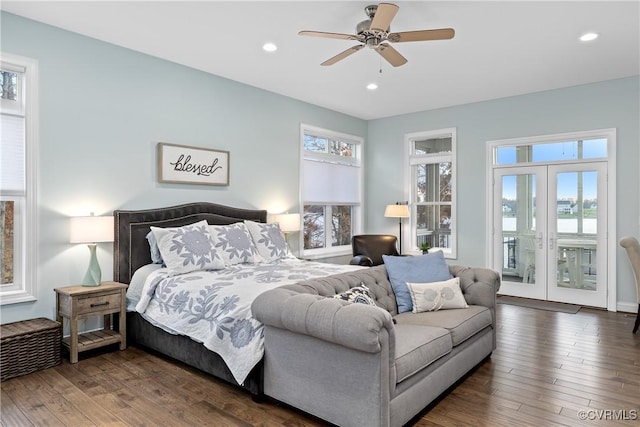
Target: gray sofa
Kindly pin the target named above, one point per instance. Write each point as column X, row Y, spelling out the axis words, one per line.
column 362, row 365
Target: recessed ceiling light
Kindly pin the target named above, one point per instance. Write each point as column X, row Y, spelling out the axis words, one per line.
column 372, row 86
column 587, row 37
column 269, row 47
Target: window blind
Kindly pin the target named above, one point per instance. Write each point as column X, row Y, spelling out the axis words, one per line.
column 12, row 154
column 327, row 182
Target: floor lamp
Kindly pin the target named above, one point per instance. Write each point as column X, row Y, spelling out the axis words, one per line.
column 399, row 210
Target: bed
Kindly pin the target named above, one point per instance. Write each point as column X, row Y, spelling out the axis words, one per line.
column 133, row 258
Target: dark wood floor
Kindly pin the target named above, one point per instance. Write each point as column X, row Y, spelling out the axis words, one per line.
column 548, row 367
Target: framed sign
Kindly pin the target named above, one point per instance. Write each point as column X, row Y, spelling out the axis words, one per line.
column 192, row 165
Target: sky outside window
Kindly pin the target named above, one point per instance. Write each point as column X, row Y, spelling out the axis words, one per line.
column 552, row 152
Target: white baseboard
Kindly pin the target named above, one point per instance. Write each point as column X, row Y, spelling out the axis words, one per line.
column 627, row 307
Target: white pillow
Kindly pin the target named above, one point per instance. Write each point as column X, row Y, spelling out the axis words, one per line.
column 234, row 244
column 188, row 248
column 436, row 295
column 269, row 240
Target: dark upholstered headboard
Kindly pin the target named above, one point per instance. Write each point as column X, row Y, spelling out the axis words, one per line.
column 131, row 249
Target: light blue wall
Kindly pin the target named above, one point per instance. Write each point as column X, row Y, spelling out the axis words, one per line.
column 610, row 104
column 103, row 109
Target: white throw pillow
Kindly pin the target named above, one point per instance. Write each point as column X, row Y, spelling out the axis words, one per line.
column 437, row 295
column 188, row 248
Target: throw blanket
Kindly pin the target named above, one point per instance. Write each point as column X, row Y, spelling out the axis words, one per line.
column 214, row 307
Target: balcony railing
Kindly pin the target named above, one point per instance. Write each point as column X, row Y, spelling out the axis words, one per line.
column 515, row 253
column 438, row 238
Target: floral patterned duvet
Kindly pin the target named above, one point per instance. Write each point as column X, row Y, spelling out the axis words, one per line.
column 214, row 307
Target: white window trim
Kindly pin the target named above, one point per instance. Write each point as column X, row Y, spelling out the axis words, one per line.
column 357, row 219
column 27, row 290
column 409, row 227
column 612, row 203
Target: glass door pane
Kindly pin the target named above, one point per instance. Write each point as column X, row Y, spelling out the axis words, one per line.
column 577, row 243
column 577, row 225
column 520, row 239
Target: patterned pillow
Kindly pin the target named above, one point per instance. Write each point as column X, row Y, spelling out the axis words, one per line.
column 187, row 248
column 234, row 244
column 436, row 295
column 269, row 240
column 358, row 294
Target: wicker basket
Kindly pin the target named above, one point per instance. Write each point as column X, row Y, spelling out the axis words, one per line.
column 28, row 346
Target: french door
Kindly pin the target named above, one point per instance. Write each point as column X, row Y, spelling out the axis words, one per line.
column 550, row 227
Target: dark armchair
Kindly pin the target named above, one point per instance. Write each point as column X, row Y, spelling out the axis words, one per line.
column 369, row 248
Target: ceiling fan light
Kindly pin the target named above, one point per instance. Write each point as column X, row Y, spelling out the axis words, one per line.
column 372, row 86
column 269, row 47
column 587, row 37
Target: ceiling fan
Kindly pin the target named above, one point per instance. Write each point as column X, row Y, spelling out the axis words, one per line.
column 374, row 33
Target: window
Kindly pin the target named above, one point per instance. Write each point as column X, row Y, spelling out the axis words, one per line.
column 431, row 165
column 331, row 191
column 18, row 124
column 580, row 149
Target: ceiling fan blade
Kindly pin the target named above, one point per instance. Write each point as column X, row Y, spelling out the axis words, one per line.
column 383, row 17
column 391, row 55
column 422, row 35
column 342, row 55
column 329, row 35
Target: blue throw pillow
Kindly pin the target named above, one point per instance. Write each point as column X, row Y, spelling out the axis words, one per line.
column 427, row 268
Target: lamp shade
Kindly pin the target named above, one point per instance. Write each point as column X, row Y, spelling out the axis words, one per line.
column 396, row 211
column 288, row 222
column 91, row 229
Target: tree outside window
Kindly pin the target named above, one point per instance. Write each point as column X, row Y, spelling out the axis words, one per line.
column 331, row 190
column 431, row 162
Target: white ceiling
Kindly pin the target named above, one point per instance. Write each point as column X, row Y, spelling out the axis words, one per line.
column 501, row 48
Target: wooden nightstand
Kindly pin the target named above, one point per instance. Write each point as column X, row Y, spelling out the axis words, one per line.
column 80, row 302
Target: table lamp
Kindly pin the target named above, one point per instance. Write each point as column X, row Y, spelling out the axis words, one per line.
column 92, row 230
column 288, row 223
column 399, row 210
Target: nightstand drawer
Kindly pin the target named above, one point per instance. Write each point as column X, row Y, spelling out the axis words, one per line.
column 98, row 304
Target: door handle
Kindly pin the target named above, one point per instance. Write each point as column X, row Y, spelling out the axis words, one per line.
column 551, row 240
column 540, row 240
